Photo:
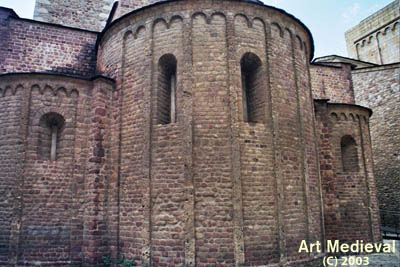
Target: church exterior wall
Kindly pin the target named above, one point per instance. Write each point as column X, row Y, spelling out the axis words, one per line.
column 89, row 15
column 11, row 143
column 349, row 197
column 379, row 90
column 234, row 175
column 332, row 81
column 208, row 86
column 376, row 38
column 45, row 200
column 31, row 46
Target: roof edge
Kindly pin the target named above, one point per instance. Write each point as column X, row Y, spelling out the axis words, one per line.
column 11, row 11
column 92, row 78
column 370, row 112
column 51, row 24
column 325, row 65
column 379, row 66
column 348, row 58
column 312, row 48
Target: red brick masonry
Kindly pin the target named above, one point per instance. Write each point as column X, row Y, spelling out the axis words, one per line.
column 233, row 181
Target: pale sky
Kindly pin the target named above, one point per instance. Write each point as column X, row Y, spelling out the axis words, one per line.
column 326, row 19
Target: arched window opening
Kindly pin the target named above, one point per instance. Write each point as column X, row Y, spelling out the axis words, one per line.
column 349, row 154
column 51, row 126
column 252, row 88
column 166, row 93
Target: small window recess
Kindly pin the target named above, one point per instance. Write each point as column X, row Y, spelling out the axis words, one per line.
column 253, row 97
column 349, row 153
column 51, row 127
column 167, row 90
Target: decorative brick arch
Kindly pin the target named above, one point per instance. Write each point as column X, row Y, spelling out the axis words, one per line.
column 45, row 110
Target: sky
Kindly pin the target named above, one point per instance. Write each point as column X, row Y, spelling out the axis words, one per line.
column 327, row 20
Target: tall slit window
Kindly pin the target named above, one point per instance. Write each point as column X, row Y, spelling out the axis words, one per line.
column 166, row 93
column 349, row 154
column 51, row 127
column 252, row 88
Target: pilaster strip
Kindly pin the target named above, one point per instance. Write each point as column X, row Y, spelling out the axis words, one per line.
column 74, row 198
column 120, row 106
column 379, row 50
column 304, row 165
column 374, row 205
column 367, row 187
column 17, row 222
column 278, row 176
column 235, row 144
column 186, row 121
column 148, row 109
column 94, row 219
column 322, row 220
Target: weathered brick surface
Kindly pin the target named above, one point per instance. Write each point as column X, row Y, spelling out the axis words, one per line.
column 256, row 151
column 212, row 168
column 133, row 172
column 96, row 237
column 46, row 188
column 126, row 6
column 11, row 147
column 211, row 188
column 84, row 14
column 48, row 197
column 379, row 89
column 332, row 81
column 167, row 169
column 30, row 46
column 376, row 38
column 288, row 143
column 351, row 207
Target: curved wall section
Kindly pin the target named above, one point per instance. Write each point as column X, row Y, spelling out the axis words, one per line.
column 203, row 148
column 11, row 141
column 44, row 140
column 351, row 210
column 212, row 186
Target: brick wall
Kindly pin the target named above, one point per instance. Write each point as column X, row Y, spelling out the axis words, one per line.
column 89, row 15
column 11, row 147
column 84, row 14
column 45, row 204
column 332, row 81
column 126, row 6
column 351, row 206
column 378, row 89
column 29, row 46
column 208, row 189
column 47, row 194
column 261, row 232
column 37, row 47
column 97, row 234
column 167, row 169
column 210, row 154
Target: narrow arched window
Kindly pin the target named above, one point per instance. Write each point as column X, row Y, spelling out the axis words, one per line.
column 51, row 126
column 166, row 93
column 349, row 154
column 252, row 88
